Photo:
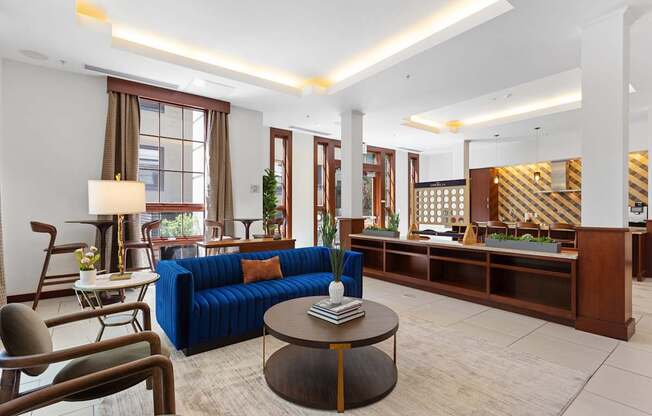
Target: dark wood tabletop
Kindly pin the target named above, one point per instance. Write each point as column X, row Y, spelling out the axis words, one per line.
column 290, row 322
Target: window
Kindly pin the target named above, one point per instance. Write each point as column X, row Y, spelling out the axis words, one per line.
column 378, row 188
column 280, row 157
column 413, row 179
column 171, row 162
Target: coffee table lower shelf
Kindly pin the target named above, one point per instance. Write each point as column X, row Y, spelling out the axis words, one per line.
column 308, row 376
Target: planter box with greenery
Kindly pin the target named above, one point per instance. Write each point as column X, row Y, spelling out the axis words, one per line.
column 390, row 231
column 525, row 242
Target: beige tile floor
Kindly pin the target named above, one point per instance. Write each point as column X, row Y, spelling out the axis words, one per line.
column 621, row 373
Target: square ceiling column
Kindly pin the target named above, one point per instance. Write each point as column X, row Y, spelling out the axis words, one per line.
column 351, row 163
column 605, row 119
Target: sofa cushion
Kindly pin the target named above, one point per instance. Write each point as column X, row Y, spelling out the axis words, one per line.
column 255, row 270
column 222, row 270
column 237, row 309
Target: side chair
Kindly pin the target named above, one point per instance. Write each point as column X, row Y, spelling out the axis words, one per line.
column 96, row 370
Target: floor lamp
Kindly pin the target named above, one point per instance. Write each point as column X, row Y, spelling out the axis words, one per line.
column 117, row 198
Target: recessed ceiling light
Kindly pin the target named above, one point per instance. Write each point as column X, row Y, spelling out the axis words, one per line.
column 496, row 135
column 33, row 54
column 407, row 76
column 508, row 95
column 537, row 128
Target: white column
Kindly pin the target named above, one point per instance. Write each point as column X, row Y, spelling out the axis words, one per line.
column 605, row 120
column 649, row 168
column 351, row 164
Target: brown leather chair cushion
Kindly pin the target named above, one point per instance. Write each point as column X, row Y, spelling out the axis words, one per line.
column 23, row 332
column 255, row 270
column 102, row 361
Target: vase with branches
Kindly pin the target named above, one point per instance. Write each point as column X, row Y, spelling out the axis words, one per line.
column 270, row 201
column 336, row 287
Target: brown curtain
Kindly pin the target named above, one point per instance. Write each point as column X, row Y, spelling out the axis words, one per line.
column 121, row 154
column 3, row 289
column 219, row 192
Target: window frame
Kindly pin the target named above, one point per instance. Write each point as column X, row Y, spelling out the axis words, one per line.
column 286, row 136
column 380, row 205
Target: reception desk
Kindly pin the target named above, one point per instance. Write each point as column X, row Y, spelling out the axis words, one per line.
column 538, row 284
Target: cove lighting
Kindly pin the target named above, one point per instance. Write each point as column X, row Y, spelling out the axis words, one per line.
column 177, row 48
column 446, row 18
column 528, row 108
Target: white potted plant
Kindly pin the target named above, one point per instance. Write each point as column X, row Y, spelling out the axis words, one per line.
column 86, row 262
column 336, row 287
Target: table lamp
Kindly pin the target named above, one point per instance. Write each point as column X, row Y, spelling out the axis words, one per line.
column 117, row 198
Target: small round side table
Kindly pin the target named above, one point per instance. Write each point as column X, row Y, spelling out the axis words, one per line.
column 90, row 294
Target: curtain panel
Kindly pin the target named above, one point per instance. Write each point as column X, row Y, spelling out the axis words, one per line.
column 219, row 192
column 121, row 143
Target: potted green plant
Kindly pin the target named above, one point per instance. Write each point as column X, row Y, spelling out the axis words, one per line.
column 525, row 242
column 336, row 287
column 270, row 202
column 328, row 231
column 393, row 221
column 86, row 262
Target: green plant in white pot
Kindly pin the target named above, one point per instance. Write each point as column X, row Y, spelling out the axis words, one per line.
column 336, row 287
column 86, row 262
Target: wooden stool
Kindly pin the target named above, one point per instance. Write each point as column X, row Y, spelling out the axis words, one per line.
column 215, row 231
column 144, row 244
column 527, row 227
column 52, row 249
column 495, row 227
column 563, row 233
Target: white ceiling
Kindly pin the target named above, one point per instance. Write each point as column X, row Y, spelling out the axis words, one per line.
column 534, row 41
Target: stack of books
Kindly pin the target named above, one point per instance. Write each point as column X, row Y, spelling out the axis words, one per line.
column 339, row 313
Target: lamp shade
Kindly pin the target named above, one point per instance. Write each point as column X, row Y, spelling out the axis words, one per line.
column 116, row 197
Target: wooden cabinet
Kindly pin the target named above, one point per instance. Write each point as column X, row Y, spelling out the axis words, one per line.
column 543, row 285
column 484, row 194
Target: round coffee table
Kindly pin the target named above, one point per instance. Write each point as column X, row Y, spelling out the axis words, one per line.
column 307, row 370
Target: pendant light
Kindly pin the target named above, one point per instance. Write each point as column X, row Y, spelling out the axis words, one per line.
column 537, row 174
column 496, row 180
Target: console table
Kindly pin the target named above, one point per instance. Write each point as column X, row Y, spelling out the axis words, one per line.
column 538, row 284
column 247, row 246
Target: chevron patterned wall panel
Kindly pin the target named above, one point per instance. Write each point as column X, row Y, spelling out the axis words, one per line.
column 519, row 193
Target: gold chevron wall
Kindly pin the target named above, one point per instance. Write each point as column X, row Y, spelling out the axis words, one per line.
column 518, row 193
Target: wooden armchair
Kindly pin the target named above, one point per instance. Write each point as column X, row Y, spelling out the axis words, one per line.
column 96, row 370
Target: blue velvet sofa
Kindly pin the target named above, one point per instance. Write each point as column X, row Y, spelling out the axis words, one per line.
column 202, row 303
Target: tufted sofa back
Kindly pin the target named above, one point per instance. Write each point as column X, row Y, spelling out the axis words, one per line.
column 223, row 270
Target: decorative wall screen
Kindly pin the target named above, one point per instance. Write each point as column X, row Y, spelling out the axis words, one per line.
column 442, row 202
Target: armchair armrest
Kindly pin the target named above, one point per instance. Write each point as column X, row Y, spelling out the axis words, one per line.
column 35, row 360
column 174, row 300
column 108, row 310
column 353, row 268
column 160, row 366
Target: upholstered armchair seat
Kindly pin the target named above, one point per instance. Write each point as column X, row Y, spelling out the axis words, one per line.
column 99, row 361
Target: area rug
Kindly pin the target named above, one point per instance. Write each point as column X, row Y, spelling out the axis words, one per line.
column 441, row 371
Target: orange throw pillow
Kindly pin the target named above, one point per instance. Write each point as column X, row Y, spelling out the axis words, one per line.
column 255, row 270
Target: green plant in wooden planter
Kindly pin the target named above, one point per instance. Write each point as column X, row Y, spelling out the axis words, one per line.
column 270, row 201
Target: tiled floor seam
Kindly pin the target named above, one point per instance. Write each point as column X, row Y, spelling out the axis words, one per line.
column 589, row 379
column 520, row 338
column 616, row 401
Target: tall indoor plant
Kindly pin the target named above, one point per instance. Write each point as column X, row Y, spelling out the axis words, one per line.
column 269, row 200
column 328, row 231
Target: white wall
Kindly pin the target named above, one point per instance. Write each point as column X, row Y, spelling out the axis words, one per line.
column 303, row 189
column 52, row 141
column 249, row 141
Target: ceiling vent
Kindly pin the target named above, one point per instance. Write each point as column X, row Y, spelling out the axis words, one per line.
column 131, row 77
column 311, row 131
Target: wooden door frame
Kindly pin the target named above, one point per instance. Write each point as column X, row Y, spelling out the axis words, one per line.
column 286, row 135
